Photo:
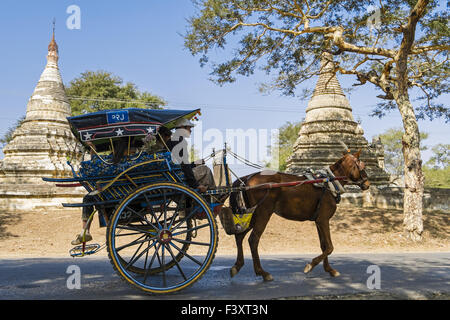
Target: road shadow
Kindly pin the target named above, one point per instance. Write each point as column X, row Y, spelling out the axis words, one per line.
column 7, row 219
column 409, row 276
column 374, row 220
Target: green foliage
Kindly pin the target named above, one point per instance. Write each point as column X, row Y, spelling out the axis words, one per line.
column 437, row 178
column 288, row 134
column 440, row 158
column 393, row 156
column 437, row 169
column 100, row 90
column 7, row 137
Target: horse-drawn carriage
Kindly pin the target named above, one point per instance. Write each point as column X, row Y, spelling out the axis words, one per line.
column 161, row 234
column 152, row 217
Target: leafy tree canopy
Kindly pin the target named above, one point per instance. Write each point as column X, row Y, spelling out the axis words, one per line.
column 288, row 134
column 100, row 90
column 374, row 40
column 441, row 156
column 437, row 169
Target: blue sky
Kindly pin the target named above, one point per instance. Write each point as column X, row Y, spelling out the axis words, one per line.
column 140, row 41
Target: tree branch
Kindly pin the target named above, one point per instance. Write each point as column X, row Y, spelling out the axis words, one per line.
column 338, row 39
column 419, row 50
column 323, row 30
column 409, row 29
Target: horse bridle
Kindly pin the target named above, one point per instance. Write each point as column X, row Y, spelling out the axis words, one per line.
column 362, row 173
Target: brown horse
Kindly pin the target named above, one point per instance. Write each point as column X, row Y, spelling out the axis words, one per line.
column 299, row 203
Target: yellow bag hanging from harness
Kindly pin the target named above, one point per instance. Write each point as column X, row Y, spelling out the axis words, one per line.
column 236, row 218
column 242, row 221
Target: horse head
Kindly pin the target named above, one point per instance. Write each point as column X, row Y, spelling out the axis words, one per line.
column 353, row 168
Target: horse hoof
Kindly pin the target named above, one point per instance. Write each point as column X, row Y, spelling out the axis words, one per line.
column 234, row 271
column 268, row 277
column 308, row 268
column 335, row 273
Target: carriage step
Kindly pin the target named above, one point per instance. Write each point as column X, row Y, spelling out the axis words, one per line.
column 84, row 250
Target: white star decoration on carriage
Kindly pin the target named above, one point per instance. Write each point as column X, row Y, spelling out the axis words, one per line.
column 101, row 126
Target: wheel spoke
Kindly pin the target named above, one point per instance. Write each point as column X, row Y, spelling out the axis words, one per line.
column 163, row 266
column 143, row 217
column 176, row 262
column 146, row 256
column 192, row 242
column 191, row 214
column 165, row 209
column 132, row 228
column 192, row 229
column 135, row 242
column 153, row 259
column 127, row 234
column 128, row 265
column 140, row 255
column 151, row 208
column 184, row 253
column 175, row 215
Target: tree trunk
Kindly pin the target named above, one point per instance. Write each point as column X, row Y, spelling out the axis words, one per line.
column 413, row 196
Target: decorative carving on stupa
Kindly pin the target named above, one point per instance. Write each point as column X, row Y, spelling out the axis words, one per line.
column 41, row 145
column 328, row 123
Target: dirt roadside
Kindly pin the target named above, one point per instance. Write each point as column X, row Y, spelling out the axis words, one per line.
column 353, row 230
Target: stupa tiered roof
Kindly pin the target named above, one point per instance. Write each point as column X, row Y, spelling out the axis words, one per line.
column 328, row 122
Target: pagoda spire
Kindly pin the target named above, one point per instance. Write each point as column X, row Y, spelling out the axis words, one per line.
column 328, row 101
column 49, row 101
column 53, row 47
column 327, row 82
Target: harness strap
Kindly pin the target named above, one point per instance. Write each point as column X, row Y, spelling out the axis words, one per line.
column 245, row 199
column 337, row 185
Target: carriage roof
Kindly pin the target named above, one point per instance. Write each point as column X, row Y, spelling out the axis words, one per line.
column 117, row 123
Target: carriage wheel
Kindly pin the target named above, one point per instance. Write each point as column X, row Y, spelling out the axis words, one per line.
column 150, row 232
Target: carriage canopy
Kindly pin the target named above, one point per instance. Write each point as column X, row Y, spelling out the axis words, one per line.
column 109, row 124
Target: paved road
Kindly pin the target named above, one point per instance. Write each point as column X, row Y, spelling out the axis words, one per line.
column 413, row 275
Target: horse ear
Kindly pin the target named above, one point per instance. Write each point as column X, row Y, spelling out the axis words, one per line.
column 346, row 152
column 358, row 154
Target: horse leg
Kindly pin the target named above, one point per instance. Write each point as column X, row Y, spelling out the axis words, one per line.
column 326, row 264
column 324, row 227
column 258, row 229
column 240, row 253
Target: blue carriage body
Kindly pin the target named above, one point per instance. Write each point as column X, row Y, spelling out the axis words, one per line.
column 106, row 183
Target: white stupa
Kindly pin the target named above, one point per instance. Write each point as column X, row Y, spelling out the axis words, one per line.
column 328, row 121
column 40, row 146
